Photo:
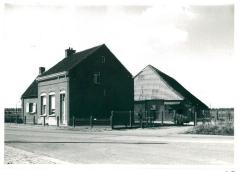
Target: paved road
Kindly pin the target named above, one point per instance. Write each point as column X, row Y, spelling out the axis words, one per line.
column 139, row 146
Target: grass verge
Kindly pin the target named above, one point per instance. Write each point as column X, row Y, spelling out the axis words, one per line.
column 226, row 128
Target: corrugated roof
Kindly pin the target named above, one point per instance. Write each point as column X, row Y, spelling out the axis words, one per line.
column 32, row 91
column 180, row 89
column 69, row 62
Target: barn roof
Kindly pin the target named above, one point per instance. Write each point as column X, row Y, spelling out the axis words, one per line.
column 32, row 91
column 70, row 62
column 179, row 88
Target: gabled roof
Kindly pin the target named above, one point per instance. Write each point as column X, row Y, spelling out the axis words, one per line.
column 179, row 88
column 70, row 62
column 32, row 91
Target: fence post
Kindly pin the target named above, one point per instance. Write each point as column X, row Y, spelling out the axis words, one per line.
column 44, row 120
column 195, row 118
column 58, row 121
column 34, row 120
column 91, row 121
column 74, row 121
column 146, row 118
column 111, row 120
column 174, row 116
column 25, row 119
column 162, row 117
column 130, row 119
column 140, row 117
column 204, row 117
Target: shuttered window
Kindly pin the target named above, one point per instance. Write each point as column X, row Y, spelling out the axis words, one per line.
column 31, row 107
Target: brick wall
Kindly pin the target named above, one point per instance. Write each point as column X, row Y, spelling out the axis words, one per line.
column 56, row 86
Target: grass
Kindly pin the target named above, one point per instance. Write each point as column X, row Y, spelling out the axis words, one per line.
column 219, row 128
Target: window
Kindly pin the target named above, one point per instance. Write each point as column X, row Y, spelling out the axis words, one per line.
column 104, row 92
column 31, row 107
column 96, row 78
column 153, row 107
column 52, row 108
column 103, row 59
column 43, row 105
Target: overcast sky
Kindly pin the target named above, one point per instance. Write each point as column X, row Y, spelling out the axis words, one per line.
column 191, row 42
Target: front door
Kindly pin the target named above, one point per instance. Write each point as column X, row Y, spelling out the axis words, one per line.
column 62, row 109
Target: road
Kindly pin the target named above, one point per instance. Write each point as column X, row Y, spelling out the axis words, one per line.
column 164, row 146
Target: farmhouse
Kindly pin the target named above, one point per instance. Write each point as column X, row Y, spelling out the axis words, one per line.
column 162, row 98
column 92, row 82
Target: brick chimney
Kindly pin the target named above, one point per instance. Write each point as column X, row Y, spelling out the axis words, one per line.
column 69, row 52
column 41, row 70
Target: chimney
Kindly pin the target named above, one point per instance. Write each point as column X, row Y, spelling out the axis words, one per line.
column 41, row 70
column 69, row 52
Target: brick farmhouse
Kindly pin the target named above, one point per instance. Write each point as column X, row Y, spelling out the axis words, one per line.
column 92, row 82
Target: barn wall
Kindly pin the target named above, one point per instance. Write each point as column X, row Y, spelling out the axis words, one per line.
column 148, row 85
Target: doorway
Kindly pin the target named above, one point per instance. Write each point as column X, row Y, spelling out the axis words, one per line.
column 62, row 109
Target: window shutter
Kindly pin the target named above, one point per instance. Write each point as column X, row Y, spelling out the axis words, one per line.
column 44, row 100
column 34, row 107
column 27, row 107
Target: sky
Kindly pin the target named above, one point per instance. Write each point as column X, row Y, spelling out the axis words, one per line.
column 192, row 42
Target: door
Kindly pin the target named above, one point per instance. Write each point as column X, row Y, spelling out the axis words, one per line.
column 62, row 109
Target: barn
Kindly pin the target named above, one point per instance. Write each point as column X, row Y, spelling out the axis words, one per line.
column 162, row 99
column 92, row 82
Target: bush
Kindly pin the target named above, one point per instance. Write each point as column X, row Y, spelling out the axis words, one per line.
column 226, row 128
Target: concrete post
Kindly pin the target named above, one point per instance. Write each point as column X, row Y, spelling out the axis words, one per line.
column 162, row 117
column 58, row 121
column 195, row 118
column 74, row 121
column 174, row 116
column 130, row 119
column 44, row 120
column 33, row 120
column 91, row 121
column 25, row 119
column 111, row 120
column 141, row 122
